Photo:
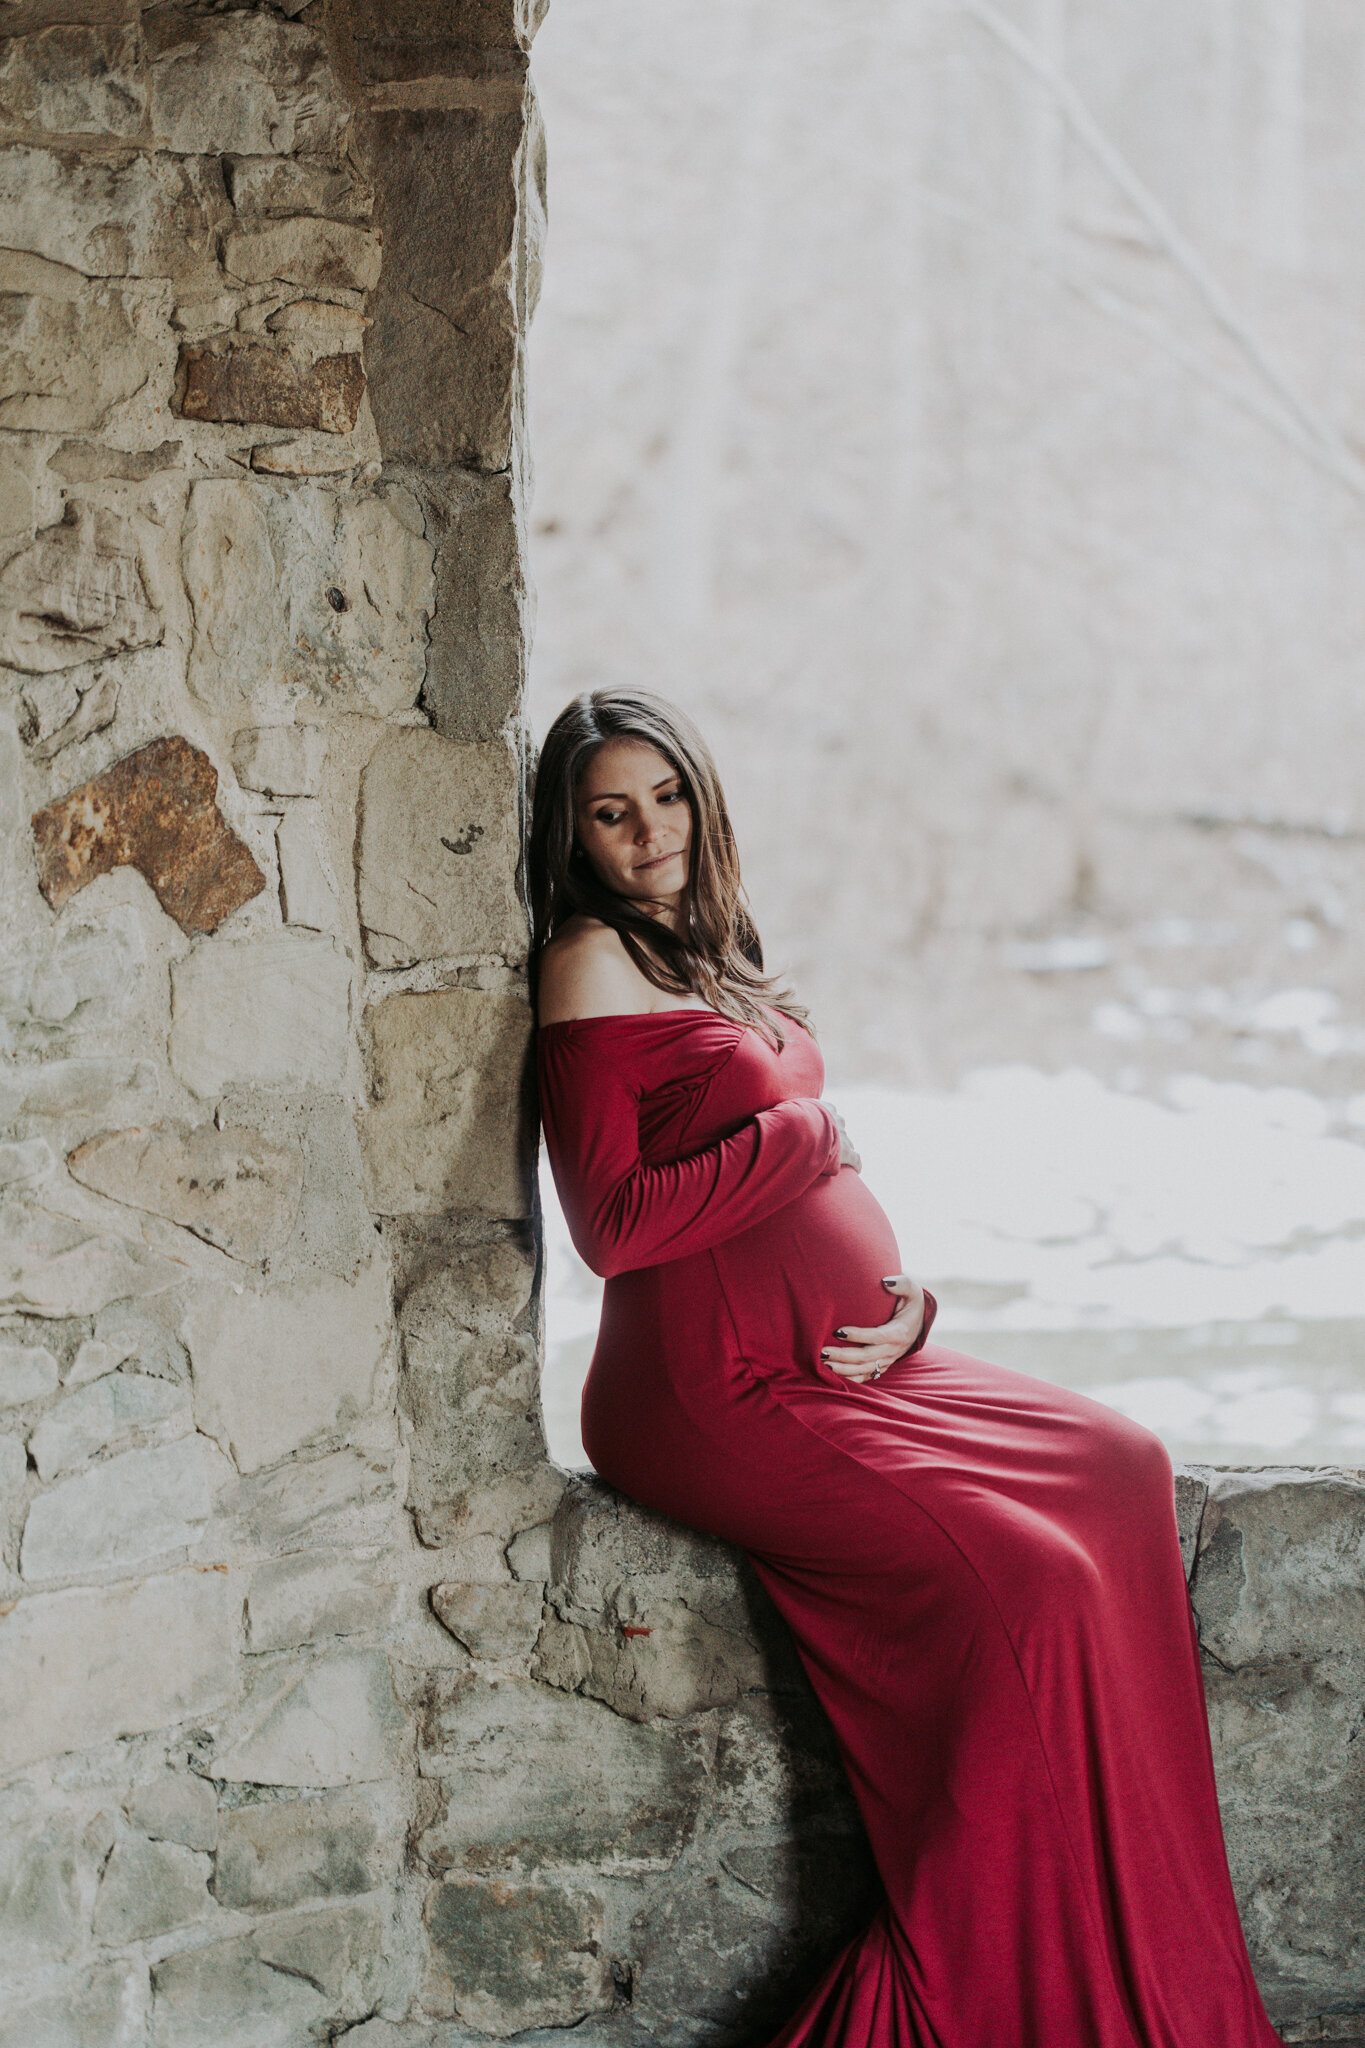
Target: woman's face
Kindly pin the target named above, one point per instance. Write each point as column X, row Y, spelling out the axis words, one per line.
column 634, row 822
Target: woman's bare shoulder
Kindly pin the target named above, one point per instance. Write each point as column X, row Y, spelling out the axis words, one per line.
column 585, row 971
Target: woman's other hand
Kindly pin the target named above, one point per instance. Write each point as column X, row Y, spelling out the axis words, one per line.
column 864, row 1354
column 848, row 1154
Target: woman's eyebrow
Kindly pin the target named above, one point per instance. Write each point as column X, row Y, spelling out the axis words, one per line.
column 622, row 796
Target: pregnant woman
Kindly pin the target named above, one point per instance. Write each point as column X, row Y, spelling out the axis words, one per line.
column 981, row 1571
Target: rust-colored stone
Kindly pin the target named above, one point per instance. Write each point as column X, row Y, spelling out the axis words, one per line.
column 250, row 383
column 156, row 811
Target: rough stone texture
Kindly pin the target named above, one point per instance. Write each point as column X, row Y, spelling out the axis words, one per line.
column 438, row 851
column 1276, row 1593
column 480, row 628
column 304, row 1599
column 496, row 1624
column 310, row 890
column 156, row 811
column 230, row 1187
column 534, row 1778
column 273, row 1010
column 282, row 760
column 252, row 381
column 277, row 1370
column 28, row 1372
column 104, row 2008
column 448, row 316
column 188, row 196
column 175, row 1808
column 282, row 1853
column 50, row 1266
column 108, row 1411
column 131, row 1510
column 77, row 592
column 303, row 596
column 72, row 350
column 244, row 82
column 336, row 1724
column 150, row 1888
column 450, row 1122
column 469, row 1388
column 512, row 1956
column 87, row 1665
column 323, row 255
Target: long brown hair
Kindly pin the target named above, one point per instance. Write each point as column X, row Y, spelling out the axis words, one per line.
column 717, row 956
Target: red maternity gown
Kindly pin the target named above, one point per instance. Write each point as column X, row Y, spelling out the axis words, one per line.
column 981, row 1571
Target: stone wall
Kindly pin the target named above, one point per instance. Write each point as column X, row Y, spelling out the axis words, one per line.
column 327, row 1706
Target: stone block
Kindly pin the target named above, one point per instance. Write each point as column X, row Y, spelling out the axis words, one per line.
column 340, row 1949
column 77, row 592
column 282, row 760
column 612, row 1558
column 133, row 1334
column 94, row 1358
column 736, row 1958
column 114, row 1408
column 103, row 2008
column 93, row 1664
column 305, row 1599
column 305, row 596
column 450, row 1127
column 529, row 1553
column 157, row 811
column 148, row 1889
column 251, row 382
column 126, row 1512
column 75, row 79
column 226, row 1995
column 496, row 1624
column 51, row 1266
column 481, row 627
column 321, row 255
column 469, row 1390
column 143, row 214
column 310, row 892
column 76, row 1087
column 175, row 1807
column 273, row 1009
column 315, row 328
column 95, row 710
column 335, row 1724
column 273, row 1371
column 1276, row 1575
column 242, row 82
column 28, row 1372
column 444, row 351
column 30, row 1159
column 42, row 1912
column 510, row 1956
column 230, row 1187
column 71, row 350
column 438, row 850
column 335, row 1498
column 673, row 1665
column 281, row 1853
column 284, row 185
column 540, row 1778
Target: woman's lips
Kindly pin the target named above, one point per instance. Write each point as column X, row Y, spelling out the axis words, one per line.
column 641, row 866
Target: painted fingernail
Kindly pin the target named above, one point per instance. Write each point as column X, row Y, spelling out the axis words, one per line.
column 841, row 1333
column 891, row 1279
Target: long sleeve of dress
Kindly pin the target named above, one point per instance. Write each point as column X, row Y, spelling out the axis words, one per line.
column 622, row 1213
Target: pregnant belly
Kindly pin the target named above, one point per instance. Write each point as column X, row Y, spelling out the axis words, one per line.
column 817, row 1264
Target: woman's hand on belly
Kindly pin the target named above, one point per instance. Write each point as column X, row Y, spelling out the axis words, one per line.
column 864, row 1353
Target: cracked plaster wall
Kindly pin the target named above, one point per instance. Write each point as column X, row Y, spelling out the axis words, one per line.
column 327, row 1706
